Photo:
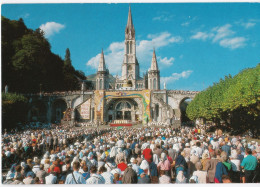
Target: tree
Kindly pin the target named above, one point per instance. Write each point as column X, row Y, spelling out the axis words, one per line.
column 235, row 100
column 14, row 110
column 27, row 61
column 67, row 60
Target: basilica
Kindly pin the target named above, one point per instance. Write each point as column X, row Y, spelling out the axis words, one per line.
column 129, row 99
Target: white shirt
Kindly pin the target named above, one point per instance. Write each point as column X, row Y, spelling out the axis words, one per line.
column 96, row 179
column 202, row 176
column 235, row 163
column 109, row 177
column 36, row 168
column 50, row 179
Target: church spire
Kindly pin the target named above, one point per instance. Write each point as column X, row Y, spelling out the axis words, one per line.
column 102, row 65
column 154, row 65
column 130, row 30
column 130, row 24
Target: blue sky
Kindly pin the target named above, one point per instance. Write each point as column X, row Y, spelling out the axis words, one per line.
column 196, row 43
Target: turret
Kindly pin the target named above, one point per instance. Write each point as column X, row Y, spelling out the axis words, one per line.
column 154, row 74
column 102, row 74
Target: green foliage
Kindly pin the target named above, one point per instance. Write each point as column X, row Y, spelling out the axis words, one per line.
column 67, row 60
column 27, row 61
column 235, row 100
column 14, row 109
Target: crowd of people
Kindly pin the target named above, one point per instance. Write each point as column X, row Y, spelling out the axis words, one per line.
column 66, row 155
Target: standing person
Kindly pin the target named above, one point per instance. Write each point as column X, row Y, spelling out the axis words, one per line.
column 181, row 164
column 249, row 164
column 143, row 177
column 48, row 142
column 211, row 166
column 235, row 164
column 29, row 178
column 75, row 177
column 94, row 177
column 221, row 169
column 164, row 165
column 52, row 177
column 55, row 142
column 147, row 153
column 130, row 176
column 41, row 174
column 202, row 175
column 226, row 148
column 164, row 179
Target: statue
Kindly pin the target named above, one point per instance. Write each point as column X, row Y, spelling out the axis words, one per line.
column 82, row 86
column 164, row 85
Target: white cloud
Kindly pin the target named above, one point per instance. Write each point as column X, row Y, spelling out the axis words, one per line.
column 114, row 54
column 233, row 43
column 165, row 16
column 50, row 28
column 223, row 35
column 113, row 59
column 201, row 36
column 176, row 76
column 248, row 25
column 222, row 32
column 165, row 61
column 185, row 24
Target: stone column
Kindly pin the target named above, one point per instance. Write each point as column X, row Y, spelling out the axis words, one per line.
column 91, row 114
column 73, row 115
column 133, row 115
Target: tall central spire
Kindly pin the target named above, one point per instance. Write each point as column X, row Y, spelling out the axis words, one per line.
column 129, row 30
column 130, row 24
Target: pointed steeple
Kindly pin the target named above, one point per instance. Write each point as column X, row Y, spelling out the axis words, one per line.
column 130, row 30
column 130, row 24
column 102, row 65
column 154, row 65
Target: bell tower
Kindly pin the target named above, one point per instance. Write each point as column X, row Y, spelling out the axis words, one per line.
column 130, row 66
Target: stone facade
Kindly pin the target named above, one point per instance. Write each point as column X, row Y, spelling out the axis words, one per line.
column 129, row 98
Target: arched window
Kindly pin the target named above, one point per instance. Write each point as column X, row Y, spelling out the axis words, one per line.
column 151, row 85
column 127, row 47
column 123, row 105
column 128, row 105
column 154, row 84
column 130, row 46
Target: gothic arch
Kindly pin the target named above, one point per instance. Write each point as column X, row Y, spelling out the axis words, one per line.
column 38, row 111
column 58, row 108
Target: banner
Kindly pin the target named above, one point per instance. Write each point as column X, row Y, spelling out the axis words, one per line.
column 85, row 110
